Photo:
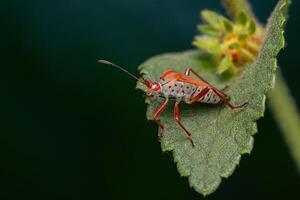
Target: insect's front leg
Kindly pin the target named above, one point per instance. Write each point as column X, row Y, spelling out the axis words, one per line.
column 149, row 96
column 157, row 113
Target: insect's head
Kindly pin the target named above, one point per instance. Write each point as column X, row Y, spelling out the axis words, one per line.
column 152, row 86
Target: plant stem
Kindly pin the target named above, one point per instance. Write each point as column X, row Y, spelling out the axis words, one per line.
column 234, row 7
column 287, row 117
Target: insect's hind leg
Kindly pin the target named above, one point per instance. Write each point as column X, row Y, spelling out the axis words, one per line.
column 188, row 71
column 176, row 116
column 157, row 113
column 226, row 102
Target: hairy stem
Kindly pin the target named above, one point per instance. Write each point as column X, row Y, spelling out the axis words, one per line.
column 287, row 117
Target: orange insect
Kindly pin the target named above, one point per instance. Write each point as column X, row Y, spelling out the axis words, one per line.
column 180, row 87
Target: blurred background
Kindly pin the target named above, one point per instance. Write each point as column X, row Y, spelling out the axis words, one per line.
column 74, row 129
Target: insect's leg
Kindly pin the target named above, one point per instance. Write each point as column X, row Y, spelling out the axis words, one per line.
column 227, row 102
column 200, row 95
column 156, row 114
column 149, row 96
column 222, row 92
column 225, row 88
column 176, row 116
column 188, row 71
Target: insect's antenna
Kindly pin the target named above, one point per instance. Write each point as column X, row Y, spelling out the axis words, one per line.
column 122, row 69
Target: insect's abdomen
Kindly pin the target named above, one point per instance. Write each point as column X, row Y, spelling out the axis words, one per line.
column 182, row 91
column 210, row 98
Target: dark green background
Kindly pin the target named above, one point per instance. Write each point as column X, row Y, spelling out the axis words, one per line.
column 74, row 129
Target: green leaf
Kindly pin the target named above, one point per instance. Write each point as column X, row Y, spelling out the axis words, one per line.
column 220, row 134
column 242, row 19
column 209, row 30
column 234, row 45
column 228, row 25
column 246, row 53
column 225, row 64
column 251, row 27
column 243, row 37
column 210, row 44
column 212, row 18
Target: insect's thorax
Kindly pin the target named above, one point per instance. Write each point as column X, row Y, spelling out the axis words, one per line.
column 182, row 91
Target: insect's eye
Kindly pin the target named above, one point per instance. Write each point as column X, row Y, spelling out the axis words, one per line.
column 155, row 87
